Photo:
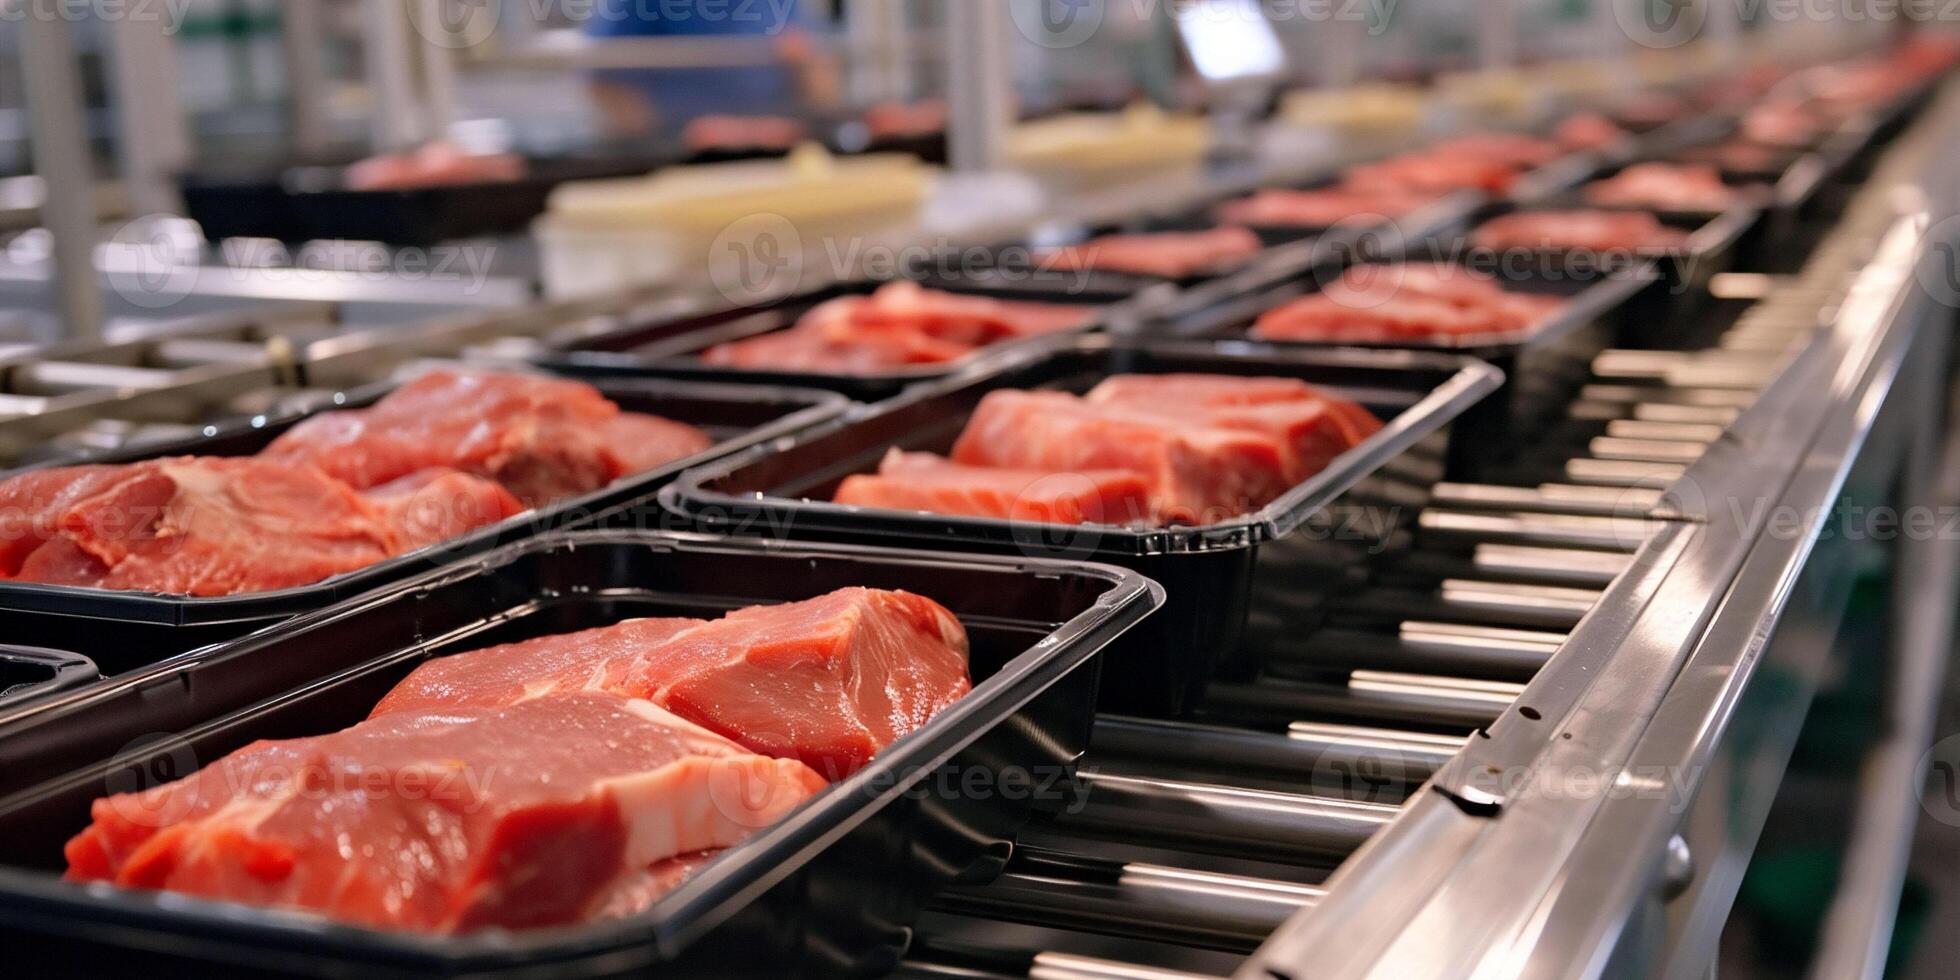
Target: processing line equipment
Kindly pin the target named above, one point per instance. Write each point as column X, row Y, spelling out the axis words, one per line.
column 1555, row 742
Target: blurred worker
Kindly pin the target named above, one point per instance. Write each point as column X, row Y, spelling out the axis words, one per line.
column 643, row 100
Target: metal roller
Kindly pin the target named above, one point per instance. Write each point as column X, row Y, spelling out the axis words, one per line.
column 1228, row 820
column 1563, row 566
column 1703, row 414
column 68, row 377
column 1665, row 431
column 1646, row 450
column 1546, row 530
column 1703, row 397
column 1146, row 901
column 1447, row 648
column 1461, row 600
column 1547, row 498
column 193, row 352
column 1305, row 750
column 1369, row 701
column 1622, row 473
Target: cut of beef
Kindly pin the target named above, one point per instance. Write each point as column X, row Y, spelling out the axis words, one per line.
column 1393, row 301
column 1590, row 231
column 1667, row 186
column 1316, row 427
column 565, row 663
column 900, row 324
column 829, row 681
column 923, row 481
column 542, row 438
column 550, row 812
column 1169, row 255
column 205, row 526
column 1198, row 473
column 1323, row 208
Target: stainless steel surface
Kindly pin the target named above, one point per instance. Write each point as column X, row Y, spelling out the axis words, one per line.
column 1210, row 818
column 979, row 89
column 58, row 114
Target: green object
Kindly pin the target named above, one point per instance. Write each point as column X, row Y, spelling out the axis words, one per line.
column 1789, row 893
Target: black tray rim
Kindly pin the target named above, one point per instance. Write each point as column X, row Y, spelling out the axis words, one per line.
column 1470, row 380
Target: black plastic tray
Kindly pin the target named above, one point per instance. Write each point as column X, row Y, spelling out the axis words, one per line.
column 28, row 673
column 308, row 203
column 1713, row 248
column 667, row 343
column 828, row 890
column 121, row 630
column 1542, row 365
column 1282, row 559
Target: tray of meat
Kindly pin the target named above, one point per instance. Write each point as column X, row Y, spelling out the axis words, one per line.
column 1495, row 164
column 1575, row 240
column 1689, row 189
column 867, row 340
column 588, row 754
column 1243, row 477
column 1150, row 262
column 1542, row 331
column 433, row 195
column 146, row 554
column 30, row 673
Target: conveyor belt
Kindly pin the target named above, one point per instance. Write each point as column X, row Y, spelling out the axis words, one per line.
column 1244, row 810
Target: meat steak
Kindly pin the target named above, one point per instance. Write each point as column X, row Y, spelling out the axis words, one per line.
column 549, row 812
column 924, row 481
column 829, row 681
column 542, row 438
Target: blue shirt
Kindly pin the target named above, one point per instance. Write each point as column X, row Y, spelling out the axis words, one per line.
column 681, row 94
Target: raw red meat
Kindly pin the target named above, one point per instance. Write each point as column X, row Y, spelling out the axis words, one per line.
column 1667, row 186
column 1171, row 255
column 829, row 681
column 901, row 120
column 1595, row 231
column 542, row 438
column 1214, row 393
column 1782, row 123
column 1198, row 473
column 566, row 663
column 1586, row 131
column 722, row 132
column 1323, row 208
column 205, row 526
column 31, row 506
column 1401, row 302
column 550, row 812
column 923, row 481
column 900, row 324
column 439, row 164
column 1514, row 150
column 1433, row 173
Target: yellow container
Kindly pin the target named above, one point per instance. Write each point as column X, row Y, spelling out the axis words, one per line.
column 1381, row 107
column 1141, row 140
